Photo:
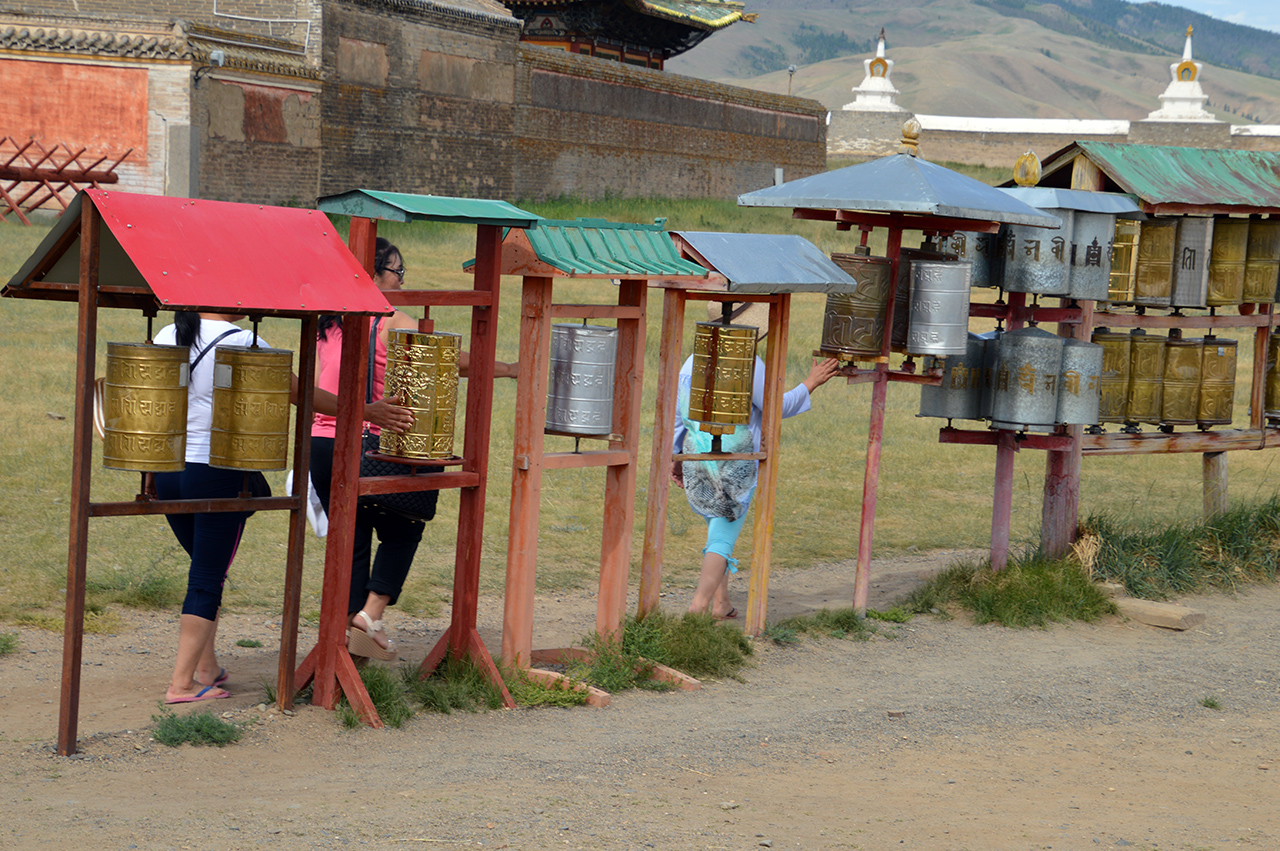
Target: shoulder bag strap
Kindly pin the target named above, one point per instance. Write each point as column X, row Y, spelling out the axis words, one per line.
column 216, row 340
column 373, row 347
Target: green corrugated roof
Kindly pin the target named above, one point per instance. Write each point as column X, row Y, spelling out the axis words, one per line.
column 405, row 207
column 1194, row 176
column 599, row 247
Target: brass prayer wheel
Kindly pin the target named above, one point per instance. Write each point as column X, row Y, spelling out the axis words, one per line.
column 1153, row 281
column 1262, row 261
column 1227, row 262
column 1114, row 384
column 144, row 414
column 724, row 363
column 580, row 388
column 1146, row 378
column 1124, row 262
column 423, row 369
column 853, row 323
column 250, row 408
column 1191, row 261
column 1217, row 382
column 1272, row 399
column 1182, row 362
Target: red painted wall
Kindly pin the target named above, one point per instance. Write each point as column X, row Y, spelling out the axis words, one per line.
column 101, row 109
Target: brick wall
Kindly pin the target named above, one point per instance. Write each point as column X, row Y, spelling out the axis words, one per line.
column 1190, row 134
column 865, row 134
column 997, row 150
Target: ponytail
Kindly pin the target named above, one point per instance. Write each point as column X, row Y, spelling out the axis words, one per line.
column 187, row 326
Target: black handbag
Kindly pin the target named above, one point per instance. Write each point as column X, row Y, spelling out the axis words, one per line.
column 415, row 505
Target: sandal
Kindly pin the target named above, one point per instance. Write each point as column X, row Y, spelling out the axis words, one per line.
column 360, row 642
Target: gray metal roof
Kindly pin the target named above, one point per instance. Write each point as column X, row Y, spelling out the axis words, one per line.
column 1048, row 198
column 900, row 184
column 768, row 262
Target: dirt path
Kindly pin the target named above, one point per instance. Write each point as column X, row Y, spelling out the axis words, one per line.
column 941, row 735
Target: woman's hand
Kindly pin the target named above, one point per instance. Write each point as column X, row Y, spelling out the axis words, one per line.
column 677, row 473
column 387, row 413
column 821, row 372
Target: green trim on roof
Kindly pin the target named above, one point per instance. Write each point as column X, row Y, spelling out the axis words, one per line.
column 617, row 249
column 1196, row 176
column 705, row 14
column 406, row 207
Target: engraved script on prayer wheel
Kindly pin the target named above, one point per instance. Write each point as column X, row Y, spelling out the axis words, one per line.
column 1114, row 397
column 1217, row 382
column 853, row 323
column 724, row 361
column 145, row 407
column 250, row 408
column 981, row 250
column 1037, row 260
column 580, row 389
column 1227, row 262
column 1124, row 262
column 1153, row 285
column 939, row 308
column 1079, row 383
column 959, row 397
column 1191, row 261
column 1262, row 261
column 1146, row 377
column 423, row 368
column 1182, row 380
column 1026, row 382
column 1090, row 273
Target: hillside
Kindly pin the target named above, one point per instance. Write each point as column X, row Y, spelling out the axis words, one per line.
column 998, row 58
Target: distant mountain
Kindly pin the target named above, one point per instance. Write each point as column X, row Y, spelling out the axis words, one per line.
column 997, row 58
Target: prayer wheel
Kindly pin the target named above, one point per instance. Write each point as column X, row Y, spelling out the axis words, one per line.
column 981, row 251
column 1272, row 398
column 1182, row 362
column 1191, row 262
column 1036, row 260
column 939, row 308
column 1262, row 261
column 959, row 397
column 1089, row 275
column 144, row 411
column 1217, row 382
column 1153, row 282
column 580, row 389
column 853, row 323
column 1079, row 383
column 987, row 379
column 423, row 369
column 724, row 362
column 250, row 408
column 1227, row 262
column 1146, row 378
column 1113, row 399
column 1124, row 262
column 1026, row 380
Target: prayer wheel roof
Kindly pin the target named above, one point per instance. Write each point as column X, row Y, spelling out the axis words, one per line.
column 1049, row 198
column 407, row 207
column 188, row 254
column 766, row 262
column 596, row 248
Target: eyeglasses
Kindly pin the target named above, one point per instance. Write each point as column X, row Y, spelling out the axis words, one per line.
column 399, row 273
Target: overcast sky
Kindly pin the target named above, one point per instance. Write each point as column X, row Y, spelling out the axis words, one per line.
column 1263, row 14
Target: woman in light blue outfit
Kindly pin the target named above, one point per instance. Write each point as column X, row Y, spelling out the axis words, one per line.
column 720, row 491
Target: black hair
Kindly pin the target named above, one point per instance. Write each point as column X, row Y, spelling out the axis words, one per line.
column 187, row 325
column 384, row 250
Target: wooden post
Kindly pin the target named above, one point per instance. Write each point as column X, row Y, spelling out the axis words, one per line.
column 620, row 479
column 1002, row 503
column 766, row 496
column 81, row 462
column 1060, row 511
column 1215, row 484
column 655, row 524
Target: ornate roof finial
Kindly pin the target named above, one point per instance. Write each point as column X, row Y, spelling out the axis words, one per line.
column 1189, row 28
column 1026, row 171
column 910, row 138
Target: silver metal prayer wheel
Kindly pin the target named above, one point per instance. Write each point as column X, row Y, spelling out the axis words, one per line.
column 1217, row 382
column 250, row 408
column 853, row 323
column 580, row 389
column 1124, row 262
column 987, row 379
column 1262, row 261
column 959, row 397
column 423, row 369
column 1026, row 381
column 1272, row 396
column 1227, row 262
column 1182, row 364
column 981, row 250
column 1113, row 399
column 724, row 362
column 1090, row 272
column 907, row 258
column 1153, row 285
column 1036, row 260
column 144, row 413
column 1146, row 378
column 1191, row 261
column 1079, row 383
column 939, row 308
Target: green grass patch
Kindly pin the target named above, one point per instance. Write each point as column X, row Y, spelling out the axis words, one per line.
column 693, row 644
column 198, row 728
column 1209, row 701
column 248, row 642
column 1031, row 591
column 150, row 588
column 8, row 643
column 388, row 691
column 831, row 623
column 459, row 683
column 97, row 620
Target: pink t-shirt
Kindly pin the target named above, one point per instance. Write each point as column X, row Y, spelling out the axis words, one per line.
column 328, row 360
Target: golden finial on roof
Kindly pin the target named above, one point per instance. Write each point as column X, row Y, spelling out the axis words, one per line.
column 910, row 137
column 1026, row 171
column 1188, row 31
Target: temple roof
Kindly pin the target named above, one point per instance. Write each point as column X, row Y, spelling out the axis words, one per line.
column 703, row 14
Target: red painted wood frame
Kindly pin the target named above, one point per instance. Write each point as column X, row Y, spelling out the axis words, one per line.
column 329, row 664
column 530, row 460
column 82, row 508
column 672, row 356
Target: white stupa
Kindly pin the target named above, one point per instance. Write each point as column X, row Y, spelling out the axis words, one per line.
column 875, row 93
column 1184, row 100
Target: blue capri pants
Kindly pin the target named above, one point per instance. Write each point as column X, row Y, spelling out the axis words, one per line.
column 210, row 539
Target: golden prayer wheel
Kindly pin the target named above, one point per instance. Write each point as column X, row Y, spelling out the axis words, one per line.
column 1124, row 262
column 144, row 415
column 1272, row 400
column 1114, row 382
column 853, row 323
column 1153, row 280
column 724, row 362
column 1227, row 262
column 1217, row 382
column 1262, row 261
column 1145, row 403
column 250, row 408
column 423, row 369
column 1182, row 362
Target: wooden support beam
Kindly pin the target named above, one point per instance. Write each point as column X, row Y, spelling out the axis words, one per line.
column 1215, row 484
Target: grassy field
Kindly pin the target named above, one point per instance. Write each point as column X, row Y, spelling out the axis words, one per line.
column 930, row 495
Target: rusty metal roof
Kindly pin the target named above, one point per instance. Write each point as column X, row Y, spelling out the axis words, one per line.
column 1179, row 180
column 407, row 207
column 185, row 253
